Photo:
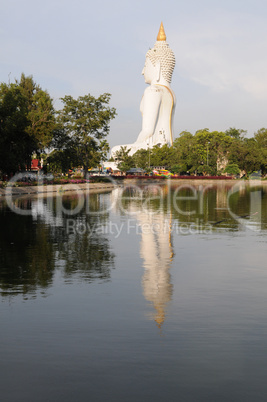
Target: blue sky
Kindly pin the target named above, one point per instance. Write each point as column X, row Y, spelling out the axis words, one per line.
column 79, row 47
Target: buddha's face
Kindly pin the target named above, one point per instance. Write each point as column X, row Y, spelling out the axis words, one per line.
column 149, row 71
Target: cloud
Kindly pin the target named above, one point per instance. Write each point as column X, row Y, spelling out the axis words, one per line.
column 224, row 54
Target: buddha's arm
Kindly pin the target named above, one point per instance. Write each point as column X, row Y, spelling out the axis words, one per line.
column 150, row 110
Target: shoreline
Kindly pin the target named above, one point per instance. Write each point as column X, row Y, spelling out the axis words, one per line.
column 59, row 189
column 54, row 189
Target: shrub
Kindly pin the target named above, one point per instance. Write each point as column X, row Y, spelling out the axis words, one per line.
column 232, row 169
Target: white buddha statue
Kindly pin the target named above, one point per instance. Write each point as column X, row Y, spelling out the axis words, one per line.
column 158, row 102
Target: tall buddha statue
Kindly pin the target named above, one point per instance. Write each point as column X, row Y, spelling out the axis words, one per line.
column 158, row 102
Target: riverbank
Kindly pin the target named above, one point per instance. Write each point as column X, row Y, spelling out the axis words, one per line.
column 59, row 189
column 54, row 189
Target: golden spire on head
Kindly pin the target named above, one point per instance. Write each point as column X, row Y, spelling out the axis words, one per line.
column 161, row 34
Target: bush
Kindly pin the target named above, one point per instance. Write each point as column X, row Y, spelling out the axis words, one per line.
column 232, row 169
column 99, row 179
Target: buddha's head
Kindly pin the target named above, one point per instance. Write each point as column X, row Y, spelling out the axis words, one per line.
column 160, row 60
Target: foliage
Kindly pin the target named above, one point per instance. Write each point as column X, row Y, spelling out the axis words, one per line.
column 232, row 169
column 83, row 124
column 176, row 169
column 125, row 161
column 61, row 160
column 236, row 133
column 99, row 179
column 15, row 144
column 184, row 152
column 41, row 118
column 161, row 156
column 261, row 141
column 208, row 153
column 77, row 136
column 141, row 159
column 27, row 123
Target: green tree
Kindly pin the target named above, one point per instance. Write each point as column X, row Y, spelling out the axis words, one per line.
column 27, row 123
column 184, row 152
column 206, row 154
column 261, row 140
column 141, row 158
column 161, row 156
column 253, row 156
column 232, row 169
column 219, row 145
column 124, row 160
column 203, row 152
column 236, row 133
column 61, row 160
column 246, row 154
column 236, row 153
column 15, row 144
column 261, row 137
column 83, row 124
column 41, row 113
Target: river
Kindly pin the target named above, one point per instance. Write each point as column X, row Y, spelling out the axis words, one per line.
column 143, row 293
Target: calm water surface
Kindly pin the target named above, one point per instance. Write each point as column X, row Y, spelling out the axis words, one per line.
column 145, row 293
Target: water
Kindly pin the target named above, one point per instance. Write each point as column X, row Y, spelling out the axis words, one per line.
column 152, row 293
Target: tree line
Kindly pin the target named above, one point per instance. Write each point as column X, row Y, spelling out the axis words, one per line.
column 73, row 136
column 76, row 135
column 204, row 153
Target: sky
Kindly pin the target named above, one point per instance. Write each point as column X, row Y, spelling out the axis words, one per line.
column 83, row 46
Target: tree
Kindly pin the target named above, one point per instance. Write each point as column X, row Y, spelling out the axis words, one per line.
column 206, row 154
column 261, row 137
column 253, row 156
column 236, row 133
column 141, row 158
column 176, row 169
column 83, row 124
column 61, row 160
column 261, row 140
column 15, row 144
column 41, row 113
column 232, row 169
column 124, row 160
column 27, row 123
column 219, row 147
column 246, row 154
column 184, row 152
column 161, row 156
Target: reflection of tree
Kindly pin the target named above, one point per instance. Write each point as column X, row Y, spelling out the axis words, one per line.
column 151, row 197
column 217, row 204
column 32, row 246
column 200, row 205
column 87, row 251
column 87, row 254
column 26, row 256
column 152, row 205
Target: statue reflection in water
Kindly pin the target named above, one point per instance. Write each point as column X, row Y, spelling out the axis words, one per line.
column 156, row 248
column 157, row 253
